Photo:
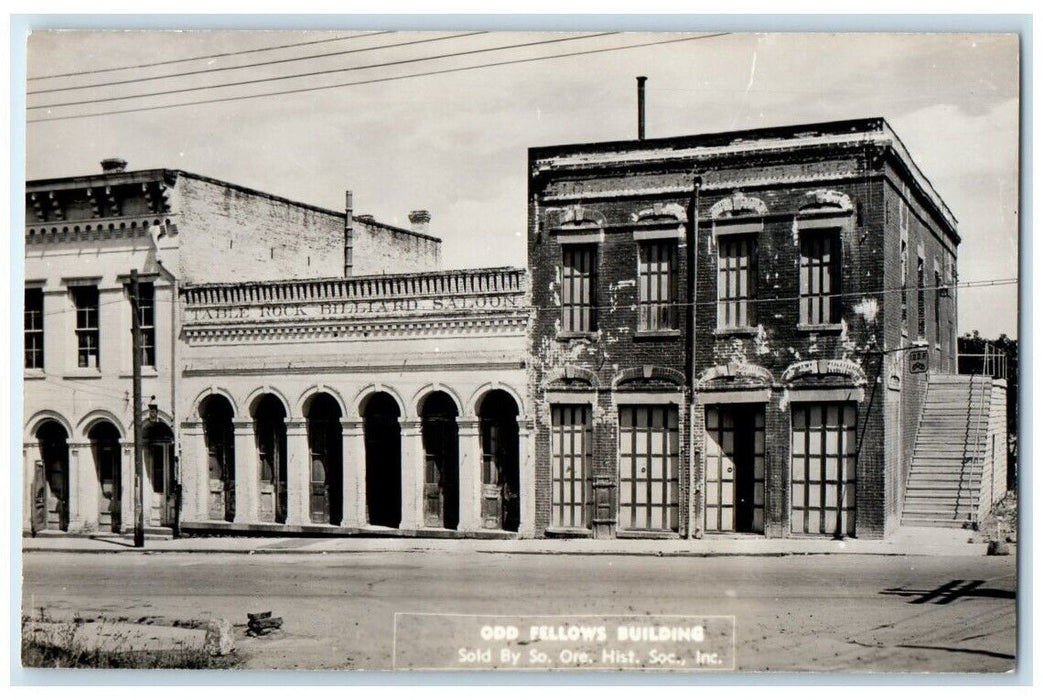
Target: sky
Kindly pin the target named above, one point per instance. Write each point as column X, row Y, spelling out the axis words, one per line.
column 456, row 143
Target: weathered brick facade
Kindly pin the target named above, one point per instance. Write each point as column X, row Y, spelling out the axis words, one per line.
column 790, row 284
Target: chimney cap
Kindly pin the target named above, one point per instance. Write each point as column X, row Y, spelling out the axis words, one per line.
column 419, row 216
column 113, row 165
column 364, row 217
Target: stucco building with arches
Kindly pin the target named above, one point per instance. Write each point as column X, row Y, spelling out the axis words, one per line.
column 83, row 237
column 391, row 404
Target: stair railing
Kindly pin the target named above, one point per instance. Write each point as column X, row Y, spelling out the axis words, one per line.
column 977, row 437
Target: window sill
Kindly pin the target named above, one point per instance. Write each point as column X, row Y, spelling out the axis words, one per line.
column 576, row 335
column 146, row 373
column 938, row 347
column 820, row 327
column 737, row 330
column 646, row 534
column 33, row 373
column 660, row 334
column 568, row 532
column 83, row 374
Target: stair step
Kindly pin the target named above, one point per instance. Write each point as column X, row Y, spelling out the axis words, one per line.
column 931, row 522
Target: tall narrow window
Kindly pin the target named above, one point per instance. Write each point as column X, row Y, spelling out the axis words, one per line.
column 87, row 336
column 819, row 277
column 657, row 285
column 937, row 307
column 905, row 281
column 736, row 281
column 572, row 441
column 578, row 304
column 921, row 299
column 147, row 321
column 33, row 318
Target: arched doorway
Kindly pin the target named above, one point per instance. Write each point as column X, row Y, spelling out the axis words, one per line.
column 325, row 450
column 498, row 417
column 441, row 461
column 270, row 432
column 105, row 448
column 219, row 435
column 159, row 465
column 51, row 478
column 383, row 460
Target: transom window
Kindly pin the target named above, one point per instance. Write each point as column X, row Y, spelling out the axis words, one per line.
column 87, row 334
column 736, row 281
column 819, row 277
column 33, row 321
column 578, row 303
column 657, row 285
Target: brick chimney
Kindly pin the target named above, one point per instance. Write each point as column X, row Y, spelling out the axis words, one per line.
column 419, row 220
column 113, row 165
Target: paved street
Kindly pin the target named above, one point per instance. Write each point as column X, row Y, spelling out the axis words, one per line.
column 840, row 613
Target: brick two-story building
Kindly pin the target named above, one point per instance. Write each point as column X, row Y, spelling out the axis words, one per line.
column 724, row 328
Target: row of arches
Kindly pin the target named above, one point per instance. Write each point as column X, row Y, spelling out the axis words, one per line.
column 267, row 429
column 52, row 488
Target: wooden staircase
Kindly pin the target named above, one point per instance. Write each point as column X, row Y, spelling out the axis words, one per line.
column 945, row 478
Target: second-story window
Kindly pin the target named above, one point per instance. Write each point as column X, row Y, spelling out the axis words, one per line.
column 33, row 318
column 819, row 277
column 657, row 286
column 921, row 299
column 147, row 320
column 736, row 281
column 578, row 302
column 87, row 334
column 937, row 307
column 904, row 282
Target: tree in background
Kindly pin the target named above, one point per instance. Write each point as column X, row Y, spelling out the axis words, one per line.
column 972, row 344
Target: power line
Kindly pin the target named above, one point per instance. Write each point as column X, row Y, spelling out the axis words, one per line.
column 312, row 74
column 259, row 64
column 200, row 58
column 217, row 100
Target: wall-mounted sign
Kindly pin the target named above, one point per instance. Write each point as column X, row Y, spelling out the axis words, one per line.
column 918, row 361
column 328, row 309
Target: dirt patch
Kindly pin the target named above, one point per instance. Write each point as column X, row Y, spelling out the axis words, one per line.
column 1001, row 525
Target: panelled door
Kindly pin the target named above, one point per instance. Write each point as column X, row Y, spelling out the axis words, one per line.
column 500, row 487
column 824, row 457
column 159, row 456
column 440, row 472
column 221, row 461
column 319, row 437
column 107, row 456
column 571, row 494
column 648, row 469
column 735, row 468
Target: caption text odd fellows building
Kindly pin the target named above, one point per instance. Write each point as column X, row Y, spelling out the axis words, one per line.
column 712, row 336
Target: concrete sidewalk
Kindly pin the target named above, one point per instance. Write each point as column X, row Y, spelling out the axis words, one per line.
column 909, row 541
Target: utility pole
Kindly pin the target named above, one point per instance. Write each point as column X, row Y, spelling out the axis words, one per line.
column 139, row 477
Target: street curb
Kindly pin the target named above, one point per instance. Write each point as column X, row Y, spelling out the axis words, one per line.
column 681, row 554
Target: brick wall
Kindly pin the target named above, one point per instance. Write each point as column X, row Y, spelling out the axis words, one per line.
column 615, row 346
column 381, row 249
column 232, row 234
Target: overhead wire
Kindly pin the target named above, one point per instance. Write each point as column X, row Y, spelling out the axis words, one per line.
column 461, row 69
column 329, row 71
column 206, row 57
column 260, row 64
